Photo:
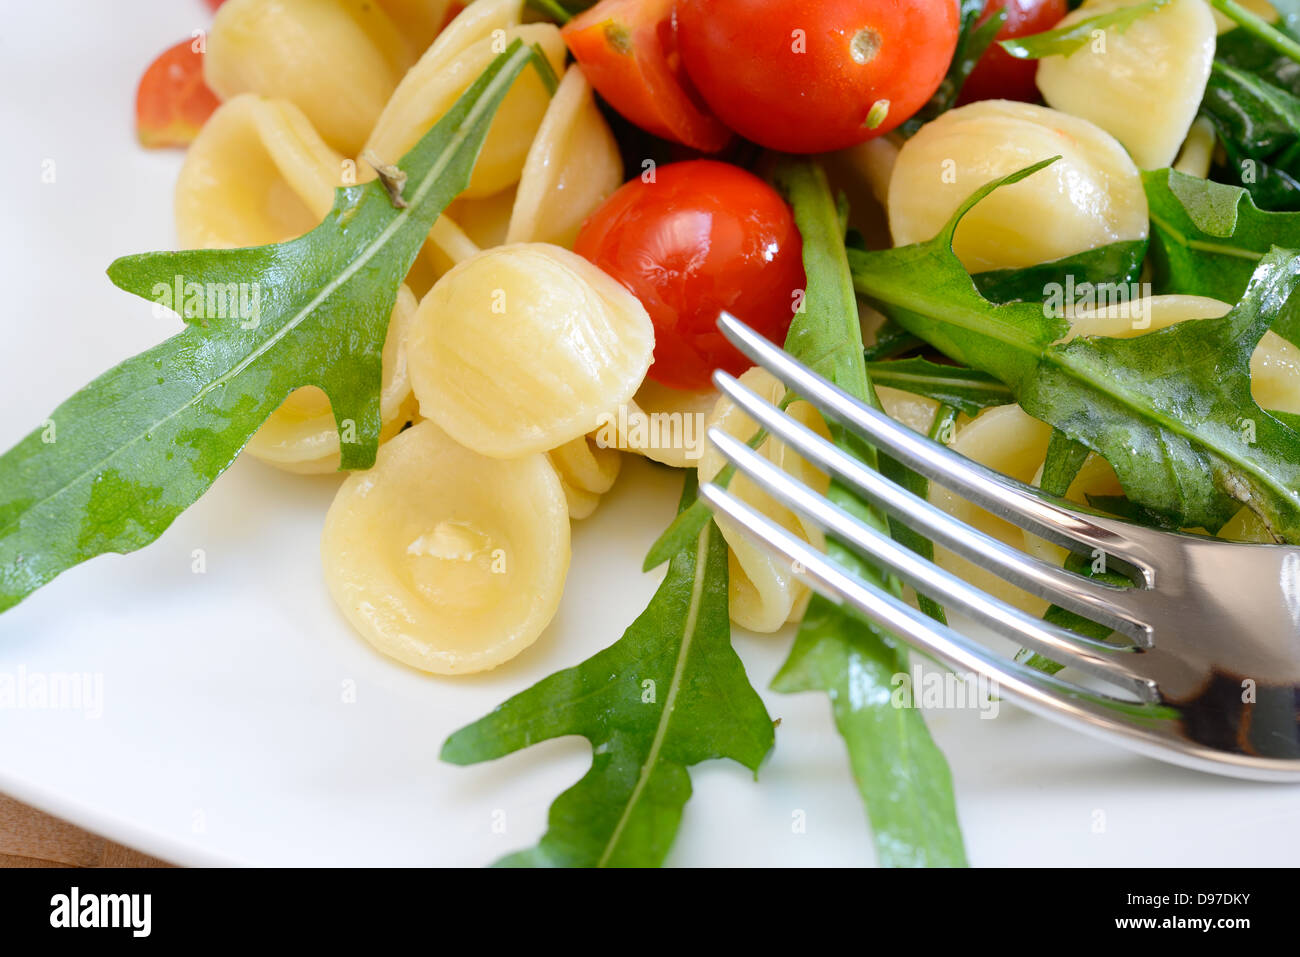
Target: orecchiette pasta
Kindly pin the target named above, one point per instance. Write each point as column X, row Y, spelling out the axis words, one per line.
column 301, row 435
column 418, row 21
column 665, row 425
column 1198, row 149
column 257, row 173
column 1091, row 196
column 339, row 61
column 523, row 348
column 446, row 560
column 1143, row 84
column 572, row 167
column 1007, row 439
column 587, row 471
column 764, row 592
column 432, row 86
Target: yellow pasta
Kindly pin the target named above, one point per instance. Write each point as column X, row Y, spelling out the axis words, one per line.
column 587, row 471
column 339, row 61
column 764, row 592
column 418, row 21
column 1144, row 84
column 301, row 435
column 664, row 425
column 432, row 86
column 443, row 559
column 257, row 173
column 523, row 348
column 572, row 167
column 1090, row 197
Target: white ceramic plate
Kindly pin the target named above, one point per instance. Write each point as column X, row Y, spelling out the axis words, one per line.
column 224, row 737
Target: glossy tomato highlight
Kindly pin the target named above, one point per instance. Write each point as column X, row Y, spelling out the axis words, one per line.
column 807, row 76
column 700, row 238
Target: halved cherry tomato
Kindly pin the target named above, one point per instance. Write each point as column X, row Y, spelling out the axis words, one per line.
column 628, row 51
column 998, row 75
column 702, row 237
column 806, row 76
column 172, row 102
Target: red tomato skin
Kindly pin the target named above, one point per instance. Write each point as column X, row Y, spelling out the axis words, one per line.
column 172, row 102
column 704, row 237
column 628, row 51
column 214, row 4
column 1000, row 76
column 745, row 58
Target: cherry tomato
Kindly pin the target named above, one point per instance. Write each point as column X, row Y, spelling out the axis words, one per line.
column 703, row 237
column 213, row 4
column 806, row 76
column 998, row 75
column 172, row 102
column 628, row 51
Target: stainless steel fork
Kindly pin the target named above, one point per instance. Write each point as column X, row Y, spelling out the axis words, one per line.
column 1206, row 671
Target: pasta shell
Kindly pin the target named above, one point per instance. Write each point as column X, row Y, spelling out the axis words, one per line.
column 257, row 173
column 339, row 61
column 1091, row 196
column 1007, row 439
column 523, row 348
column 665, row 425
column 573, row 166
column 443, row 559
column 1143, row 85
column 433, row 85
column 418, row 21
column 301, row 436
column 587, row 471
column 764, row 592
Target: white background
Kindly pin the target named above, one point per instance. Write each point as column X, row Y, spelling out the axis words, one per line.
column 224, row 738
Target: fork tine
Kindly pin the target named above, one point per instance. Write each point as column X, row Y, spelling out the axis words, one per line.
column 1018, row 504
column 1097, row 658
column 1084, row 596
column 1157, row 730
column 898, row 617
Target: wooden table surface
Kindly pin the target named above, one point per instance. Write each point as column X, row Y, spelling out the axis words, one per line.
column 32, row 838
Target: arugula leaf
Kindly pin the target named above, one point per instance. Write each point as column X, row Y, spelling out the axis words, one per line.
column 900, row 772
column 1281, row 40
column 973, row 39
column 1168, row 409
column 1064, row 459
column 891, row 340
column 116, row 463
column 941, row 429
column 1207, row 239
column 969, row 390
column 1259, row 126
column 669, row 694
column 1117, row 262
column 1066, row 40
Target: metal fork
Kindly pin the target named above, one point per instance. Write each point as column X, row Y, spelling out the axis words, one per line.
column 1206, row 673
